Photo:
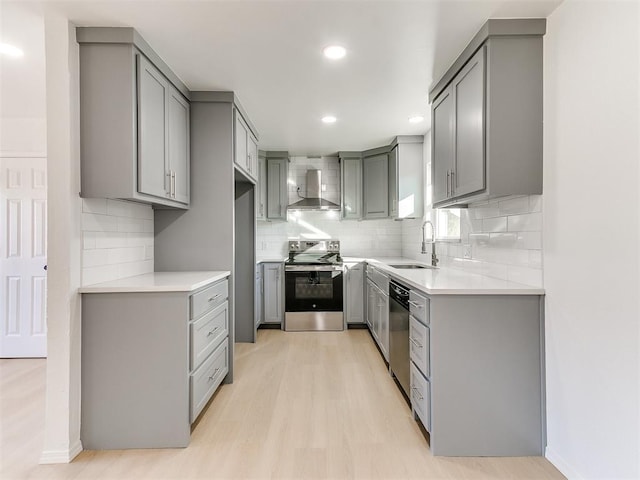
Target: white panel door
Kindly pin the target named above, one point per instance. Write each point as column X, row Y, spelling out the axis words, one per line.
column 23, row 257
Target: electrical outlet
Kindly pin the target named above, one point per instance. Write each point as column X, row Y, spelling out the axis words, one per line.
column 466, row 251
column 324, row 187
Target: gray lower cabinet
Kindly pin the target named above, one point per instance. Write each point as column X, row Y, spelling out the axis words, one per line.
column 134, row 121
column 351, row 185
column 487, row 116
column 354, row 292
column 151, row 362
column 273, row 288
column 378, row 308
column 375, row 178
column 259, row 295
column 476, row 373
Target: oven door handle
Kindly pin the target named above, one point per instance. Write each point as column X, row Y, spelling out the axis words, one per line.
column 313, row 268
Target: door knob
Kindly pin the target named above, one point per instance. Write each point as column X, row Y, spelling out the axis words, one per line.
column 45, row 267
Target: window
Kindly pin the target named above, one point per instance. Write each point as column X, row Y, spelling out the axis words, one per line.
column 448, row 223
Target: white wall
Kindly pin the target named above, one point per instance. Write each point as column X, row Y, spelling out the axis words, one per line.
column 591, row 238
column 117, row 240
column 62, row 429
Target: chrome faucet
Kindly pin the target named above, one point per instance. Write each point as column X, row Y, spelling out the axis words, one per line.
column 434, row 258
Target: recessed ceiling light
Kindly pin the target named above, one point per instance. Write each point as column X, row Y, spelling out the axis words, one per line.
column 10, row 50
column 329, row 119
column 416, row 119
column 334, row 52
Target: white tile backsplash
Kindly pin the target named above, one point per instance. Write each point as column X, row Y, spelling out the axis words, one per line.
column 373, row 238
column 504, row 236
column 117, row 240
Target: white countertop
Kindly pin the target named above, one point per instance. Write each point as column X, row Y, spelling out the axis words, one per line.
column 157, row 282
column 270, row 260
column 447, row 281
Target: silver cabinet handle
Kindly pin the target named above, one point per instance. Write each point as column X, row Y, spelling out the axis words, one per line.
column 211, row 299
column 169, row 190
column 415, row 343
column 414, row 389
column 213, row 375
column 173, row 184
column 415, row 304
column 448, row 179
column 453, row 185
column 211, row 332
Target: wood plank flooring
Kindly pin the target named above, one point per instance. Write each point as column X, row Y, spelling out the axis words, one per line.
column 318, row 405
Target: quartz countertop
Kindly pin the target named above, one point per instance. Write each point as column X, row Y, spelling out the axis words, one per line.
column 447, row 281
column 270, row 260
column 158, row 282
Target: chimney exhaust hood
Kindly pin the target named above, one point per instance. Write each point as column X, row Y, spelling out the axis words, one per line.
column 314, row 200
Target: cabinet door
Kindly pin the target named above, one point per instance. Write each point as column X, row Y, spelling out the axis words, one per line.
column 261, row 186
column 376, row 187
column 468, row 89
column 383, row 336
column 252, row 148
column 152, row 130
column 241, row 137
column 393, row 183
column 355, row 293
column 273, row 279
column 259, row 295
column 351, row 188
column 178, row 146
column 442, row 145
column 370, row 305
column 276, row 188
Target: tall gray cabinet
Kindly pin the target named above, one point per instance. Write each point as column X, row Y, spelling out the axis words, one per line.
column 134, row 121
column 487, row 116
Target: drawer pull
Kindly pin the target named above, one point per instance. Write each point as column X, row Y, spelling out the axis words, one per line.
column 415, row 304
column 211, row 332
column 211, row 299
column 213, row 375
column 415, row 343
column 414, row 389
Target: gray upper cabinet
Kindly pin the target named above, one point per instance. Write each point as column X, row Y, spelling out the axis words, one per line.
column 442, row 145
column 277, row 196
column 351, row 188
column 406, row 177
column 246, row 148
column 134, row 121
column 487, row 116
column 468, row 94
column 376, row 186
column 261, row 187
column 179, row 146
column 153, row 93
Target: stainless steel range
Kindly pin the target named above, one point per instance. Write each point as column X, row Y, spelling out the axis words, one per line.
column 313, row 286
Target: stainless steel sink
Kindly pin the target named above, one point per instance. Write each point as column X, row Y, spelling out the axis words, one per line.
column 411, row 266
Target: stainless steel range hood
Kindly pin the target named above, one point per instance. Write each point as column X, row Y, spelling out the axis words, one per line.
column 314, row 200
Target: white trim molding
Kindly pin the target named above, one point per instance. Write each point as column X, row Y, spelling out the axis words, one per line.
column 61, row 456
column 561, row 464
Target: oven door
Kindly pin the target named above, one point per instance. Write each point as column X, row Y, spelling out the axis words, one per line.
column 313, row 288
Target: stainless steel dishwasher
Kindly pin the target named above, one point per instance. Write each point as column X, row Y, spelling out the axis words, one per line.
column 399, row 334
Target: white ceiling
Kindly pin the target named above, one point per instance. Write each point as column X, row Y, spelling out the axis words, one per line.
column 270, row 54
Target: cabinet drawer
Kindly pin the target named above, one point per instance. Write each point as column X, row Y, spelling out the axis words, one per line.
column 419, row 306
column 207, row 332
column 419, row 345
column 421, row 397
column 207, row 378
column 206, row 299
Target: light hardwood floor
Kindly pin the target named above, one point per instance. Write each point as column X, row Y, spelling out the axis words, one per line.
column 304, row 405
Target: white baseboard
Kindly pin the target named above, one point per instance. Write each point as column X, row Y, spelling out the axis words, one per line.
column 565, row 468
column 61, row 456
